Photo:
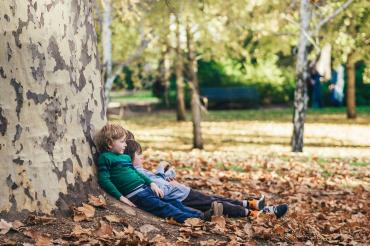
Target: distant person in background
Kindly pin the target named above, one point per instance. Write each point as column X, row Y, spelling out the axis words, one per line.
column 337, row 86
column 316, row 88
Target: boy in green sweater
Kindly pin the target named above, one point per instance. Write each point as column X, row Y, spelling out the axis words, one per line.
column 118, row 177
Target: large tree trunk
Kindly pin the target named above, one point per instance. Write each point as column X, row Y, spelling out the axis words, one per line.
column 351, row 88
column 181, row 112
column 193, row 83
column 51, row 102
column 302, row 76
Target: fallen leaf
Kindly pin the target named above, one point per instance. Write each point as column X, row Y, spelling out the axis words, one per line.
column 33, row 219
column 171, row 221
column 113, row 218
column 159, row 240
column 97, row 201
column 83, row 213
column 125, row 208
column 279, row 229
column 219, row 220
column 39, row 238
column 4, row 226
column 148, row 228
column 248, row 230
column 78, row 231
column 104, row 229
column 194, row 222
column 17, row 224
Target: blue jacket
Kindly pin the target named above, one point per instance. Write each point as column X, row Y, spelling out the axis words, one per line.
column 177, row 192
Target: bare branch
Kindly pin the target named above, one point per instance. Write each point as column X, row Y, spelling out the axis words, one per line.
column 335, row 13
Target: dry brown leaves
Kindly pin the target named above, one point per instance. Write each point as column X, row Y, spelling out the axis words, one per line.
column 83, row 213
column 328, row 199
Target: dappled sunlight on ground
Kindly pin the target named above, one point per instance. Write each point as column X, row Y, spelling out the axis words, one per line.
column 251, row 136
column 327, row 186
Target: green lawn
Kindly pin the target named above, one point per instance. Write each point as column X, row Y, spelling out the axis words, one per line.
column 325, row 115
column 143, row 95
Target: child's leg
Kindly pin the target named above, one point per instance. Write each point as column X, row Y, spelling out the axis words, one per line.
column 203, row 202
column 254, row 204
column 183, row 208
column 149, row 202
column 198, row 200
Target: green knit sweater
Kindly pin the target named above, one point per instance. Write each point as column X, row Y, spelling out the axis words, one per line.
column 116, row 174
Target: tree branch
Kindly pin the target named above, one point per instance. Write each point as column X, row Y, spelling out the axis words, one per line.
column 335, row 13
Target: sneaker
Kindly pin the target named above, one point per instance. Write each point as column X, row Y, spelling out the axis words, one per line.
column 257, row 204
column 279, row 210
column 217, row 208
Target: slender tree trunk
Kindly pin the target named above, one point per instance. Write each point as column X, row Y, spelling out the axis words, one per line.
column 193, row 83
column 181, row 112
column 51, row 103
column 302, row 76
column 107, row 39
column 351, row 88
column 107, row 44
column 165, row 71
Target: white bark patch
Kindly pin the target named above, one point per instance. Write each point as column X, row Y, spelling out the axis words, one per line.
column 47, row 113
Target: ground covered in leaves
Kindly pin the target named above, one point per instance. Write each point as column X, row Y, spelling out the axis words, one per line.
column 327, row 187
column 328, row 198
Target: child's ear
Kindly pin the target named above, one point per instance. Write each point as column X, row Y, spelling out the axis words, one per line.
column 110, row 144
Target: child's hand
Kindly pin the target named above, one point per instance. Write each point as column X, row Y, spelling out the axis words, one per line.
column 156, row 190
column 127, row 201
column 165, row 165
column 174, row 182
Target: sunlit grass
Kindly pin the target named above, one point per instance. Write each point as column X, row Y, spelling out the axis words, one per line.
column 256, row 131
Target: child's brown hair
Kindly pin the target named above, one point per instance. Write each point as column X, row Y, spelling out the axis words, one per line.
column 108, row 134
column 132, row 148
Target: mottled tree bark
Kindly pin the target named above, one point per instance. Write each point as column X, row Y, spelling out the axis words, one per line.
column 180, row 99
column 193, row 83
column 351, row 88
column 51, row 103
column 302, row 76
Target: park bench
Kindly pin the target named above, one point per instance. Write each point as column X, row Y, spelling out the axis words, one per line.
column 230, row 97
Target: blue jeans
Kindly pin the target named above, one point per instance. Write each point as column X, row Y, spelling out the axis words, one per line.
column 150, row 202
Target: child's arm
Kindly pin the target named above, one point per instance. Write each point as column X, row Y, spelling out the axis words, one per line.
column 156, row 190
column 104, row 179
column 146, row 179
column 127, row 201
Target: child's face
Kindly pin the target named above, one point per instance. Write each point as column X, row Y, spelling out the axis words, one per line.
column 138, row 160
column 118, row 146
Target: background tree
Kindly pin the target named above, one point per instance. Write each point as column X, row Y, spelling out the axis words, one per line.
column 51, row 103
column 348, row 34
column 302, row 76
column 180, row 100
column 194, row 88
column 302, row 73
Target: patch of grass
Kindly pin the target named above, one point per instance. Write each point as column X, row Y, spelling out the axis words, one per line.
column 234, row 167
column 360, row 164
column 184, row 167
column 121, row 96
column 220, row 166
column 325, row 115
column 324, row 171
